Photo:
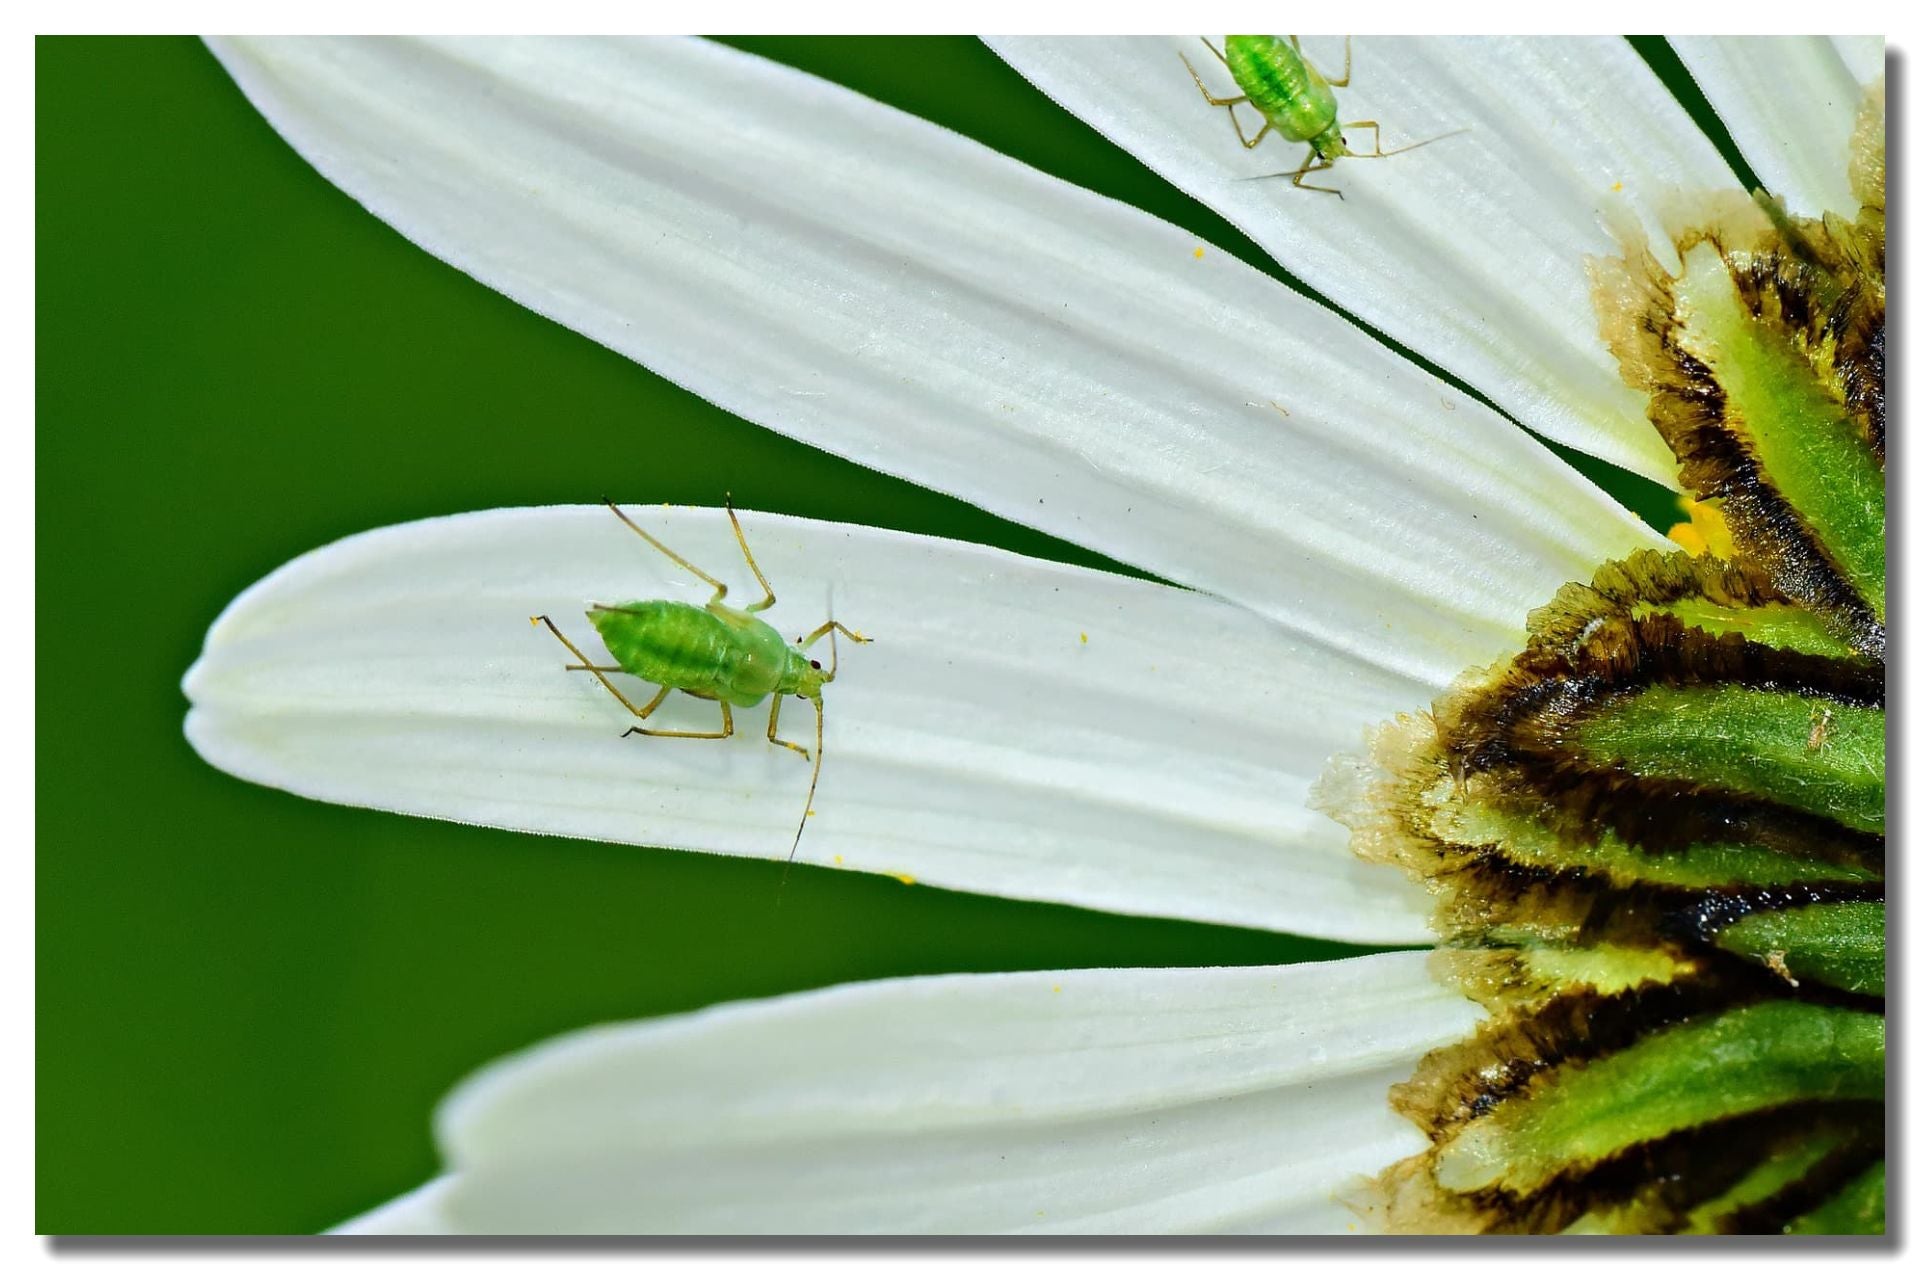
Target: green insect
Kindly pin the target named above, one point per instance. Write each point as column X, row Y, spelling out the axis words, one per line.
column 714, row 652
column 1295, row 100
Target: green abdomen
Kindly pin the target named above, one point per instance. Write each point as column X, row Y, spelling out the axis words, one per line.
column 1281, row 85
column 687, row 647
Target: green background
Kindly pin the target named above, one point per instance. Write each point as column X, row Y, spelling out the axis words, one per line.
column 248, row 1004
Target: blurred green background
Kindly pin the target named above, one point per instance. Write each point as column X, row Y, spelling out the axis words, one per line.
column 248, row 1003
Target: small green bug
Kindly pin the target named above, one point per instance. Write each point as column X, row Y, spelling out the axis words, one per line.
column 1295, row 100
column 714, row 652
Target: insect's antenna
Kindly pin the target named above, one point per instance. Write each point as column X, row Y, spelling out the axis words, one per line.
column 1277, row 176
column 1385, row 154
column 819, row 746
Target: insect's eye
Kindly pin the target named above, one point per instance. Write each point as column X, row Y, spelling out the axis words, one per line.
column 814, row 664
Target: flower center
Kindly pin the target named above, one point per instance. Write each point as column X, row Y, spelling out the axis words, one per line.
column 1657, row 833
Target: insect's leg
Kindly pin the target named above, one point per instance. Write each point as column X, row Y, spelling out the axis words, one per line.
column 773, row 725
column 726, row 726
column 855, row 636
column 1266, row 126
column 1346, row 73
column 1315, row 163
column 741, row 538
column 719, row 587
column 1228, row 102
column 600, row 672
column 824, row 627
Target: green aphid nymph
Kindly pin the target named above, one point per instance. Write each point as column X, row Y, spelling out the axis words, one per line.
column 716, row 652
column 1295, row 100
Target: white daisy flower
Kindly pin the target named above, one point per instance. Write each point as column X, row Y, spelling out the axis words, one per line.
column 1342, row 535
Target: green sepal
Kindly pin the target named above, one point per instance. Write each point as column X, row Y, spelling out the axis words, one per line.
column 1805, row 442
column 1526, row 971
column 1792, row 1162
column 1828, row 758
column 1691, row 1074
column 1860, row 1208
column 1656, row 833
column 1531, row 843
column 1843, row 945
column 1776, row 625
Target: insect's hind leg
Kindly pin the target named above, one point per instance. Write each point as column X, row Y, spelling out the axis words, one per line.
column 1228, row 102
column 1266, row 125
column 759, row 606
column 719, row 587
column 726, row 724
column 1346, row 71
column 600, row 673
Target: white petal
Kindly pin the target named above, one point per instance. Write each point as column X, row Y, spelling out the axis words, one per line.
column 1865, row 56
column 889, row 291
column 1135, row 1101
column 1017, row 727
column 418, row 1212
column 1470, row 251
column 1790, row 103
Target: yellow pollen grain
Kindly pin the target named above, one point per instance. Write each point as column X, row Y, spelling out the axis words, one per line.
column 839, row 859
column 1704, row 532
column 1083, row 637
column 1689, row 539
column 1618, row 186
column 904, row 879
column 1199, row 253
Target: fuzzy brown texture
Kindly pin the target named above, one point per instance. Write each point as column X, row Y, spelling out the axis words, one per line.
column 1578, row 902
column 1819, row 285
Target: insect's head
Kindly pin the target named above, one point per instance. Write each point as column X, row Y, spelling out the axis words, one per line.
column 1330, row 144
column 807, row 677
